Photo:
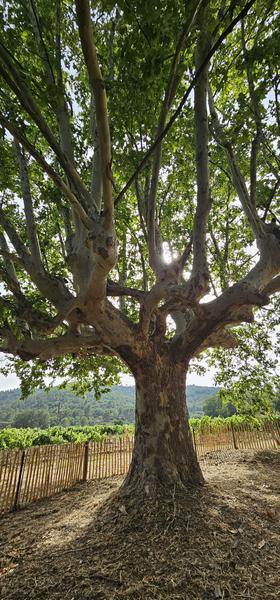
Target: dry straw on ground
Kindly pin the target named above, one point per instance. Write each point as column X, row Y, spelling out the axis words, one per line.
column 219, row 542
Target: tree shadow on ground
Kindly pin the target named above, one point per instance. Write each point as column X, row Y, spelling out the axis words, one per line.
column 212, row 543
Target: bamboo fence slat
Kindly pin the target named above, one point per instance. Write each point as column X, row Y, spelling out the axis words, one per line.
column 9, row 474
column 8, row 478
column 29, row 476
column 60, row 467
column 36, row 467
column 42, row 491
column 53, row 470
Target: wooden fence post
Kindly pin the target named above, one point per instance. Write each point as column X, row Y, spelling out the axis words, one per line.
column 86, row 455
column 233, row 436
column 20, row 478
column 194, row 442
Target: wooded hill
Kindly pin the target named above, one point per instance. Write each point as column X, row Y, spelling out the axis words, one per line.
column 63, row 407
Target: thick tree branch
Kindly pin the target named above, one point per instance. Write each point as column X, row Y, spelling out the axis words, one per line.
column 233, row 307
column 221, row 256
column 98, row 90
column 219, row 338
column 187, row 252
column 9, row 266
column 273, row 286
column 51, row 287
column 96, row 177
column 11, row 258
column 34, row 244
column 116, row 289
column 65, row 213
column 168, row 278
column 200, row 270
column 44, row 349
column 235, row 304
column 23, row 310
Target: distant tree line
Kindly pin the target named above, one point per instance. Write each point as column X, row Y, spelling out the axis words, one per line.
column 62, row 407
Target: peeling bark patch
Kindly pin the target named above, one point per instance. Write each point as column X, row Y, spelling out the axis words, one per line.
column 102, row 252
column 110, row 242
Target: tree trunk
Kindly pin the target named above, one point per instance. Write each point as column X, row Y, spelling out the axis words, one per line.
column 163, row 451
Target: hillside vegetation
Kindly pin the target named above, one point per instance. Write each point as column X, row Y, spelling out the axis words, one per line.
column 63, row 407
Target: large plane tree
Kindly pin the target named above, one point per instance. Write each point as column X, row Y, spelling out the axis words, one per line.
column 139, row 179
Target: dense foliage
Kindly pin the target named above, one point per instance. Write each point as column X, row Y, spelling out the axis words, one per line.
column 249, row 375
column 214, row 407
column 208, row 424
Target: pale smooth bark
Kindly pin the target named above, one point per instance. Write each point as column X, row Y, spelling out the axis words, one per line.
column 163, row 451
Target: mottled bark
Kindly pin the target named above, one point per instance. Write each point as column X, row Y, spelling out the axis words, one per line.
column 163, row 451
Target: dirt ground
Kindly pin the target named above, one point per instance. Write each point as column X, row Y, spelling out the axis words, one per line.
column 221, row 541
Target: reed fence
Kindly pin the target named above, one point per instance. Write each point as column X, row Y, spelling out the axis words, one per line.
column 238, row 437
column 41, row 471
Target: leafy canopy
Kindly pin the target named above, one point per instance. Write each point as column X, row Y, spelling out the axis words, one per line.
column 49, row 116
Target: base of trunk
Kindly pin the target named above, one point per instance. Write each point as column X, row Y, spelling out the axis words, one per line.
column 153, row 481
column 163, row 453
